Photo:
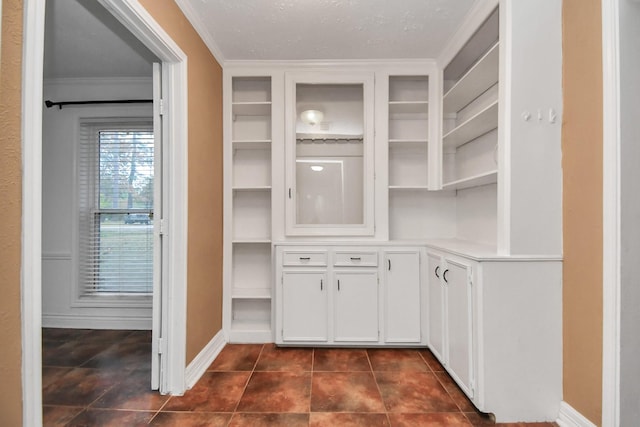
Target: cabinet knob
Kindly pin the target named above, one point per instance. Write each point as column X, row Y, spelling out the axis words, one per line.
column 436, row 271
column 444, row 276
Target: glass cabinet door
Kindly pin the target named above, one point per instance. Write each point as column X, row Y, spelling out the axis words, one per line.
column 329, row 154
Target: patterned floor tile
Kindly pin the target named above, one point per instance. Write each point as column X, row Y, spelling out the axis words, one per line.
column 269, row 420
column 134, row 392
column 345, row 392
column 214, row 392
column 58, row 416
column 405, row 360
column 79, row 387
column 190, row 419
column 111, row 418
column 277, row 392
column 414, row 392
column 431, row 420
column 333, row 419
column 275, row 358
column 341, row 360
column 237, row 357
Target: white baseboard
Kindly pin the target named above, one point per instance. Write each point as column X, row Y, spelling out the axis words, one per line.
column 95, row 322
column 569, row 417
column 201, row 362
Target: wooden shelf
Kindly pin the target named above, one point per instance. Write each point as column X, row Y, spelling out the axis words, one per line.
column 483, row 122
column 251, row 144
column 408, row 107
column 251, row 108
column 474, row 83
column 486, row 178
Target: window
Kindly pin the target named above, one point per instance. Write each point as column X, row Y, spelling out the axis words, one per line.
column 116, row 169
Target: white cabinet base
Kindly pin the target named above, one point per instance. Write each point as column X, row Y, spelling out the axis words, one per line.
column 348, row 296
column 507, row 356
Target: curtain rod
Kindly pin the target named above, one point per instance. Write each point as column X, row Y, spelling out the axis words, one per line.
column 50, row 103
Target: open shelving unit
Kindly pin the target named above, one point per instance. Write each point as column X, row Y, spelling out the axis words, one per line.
column 408, row 145
column 477, row 125
column 414, row 211
column 470, row 108
column 251, row 137
column 482, row 75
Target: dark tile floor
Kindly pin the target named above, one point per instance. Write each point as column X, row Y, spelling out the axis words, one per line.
column 102, row 378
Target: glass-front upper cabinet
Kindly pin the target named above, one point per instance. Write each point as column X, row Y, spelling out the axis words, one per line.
column 329, row 150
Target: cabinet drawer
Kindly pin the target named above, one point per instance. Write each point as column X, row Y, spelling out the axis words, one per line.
column 356, row 259
column 304, row 258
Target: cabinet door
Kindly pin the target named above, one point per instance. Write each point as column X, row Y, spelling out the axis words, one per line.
column 456, row 279
column 304, row 306
column 356, row 306
column 402, row 297
column 436, row 305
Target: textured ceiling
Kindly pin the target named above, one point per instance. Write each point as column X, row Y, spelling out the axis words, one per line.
column 328, row 29
column 82, row 39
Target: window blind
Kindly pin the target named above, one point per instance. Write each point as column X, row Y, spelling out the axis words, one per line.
column 115, row 182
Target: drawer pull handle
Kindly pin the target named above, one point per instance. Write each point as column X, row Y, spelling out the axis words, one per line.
column 389, row 261
column 436, row 272
column 355, row 258
column 305, row 258
column 444, row 276
column 320, row 284
column 338, row 284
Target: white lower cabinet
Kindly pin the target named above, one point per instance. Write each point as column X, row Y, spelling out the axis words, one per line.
column 337, row 295
column 450, row 318
column 304, row 306
column 402, row 297
column 495, row 324
column 356, row 306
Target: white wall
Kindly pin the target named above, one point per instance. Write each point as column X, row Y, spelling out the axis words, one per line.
column 59, row 225
column 630, row 211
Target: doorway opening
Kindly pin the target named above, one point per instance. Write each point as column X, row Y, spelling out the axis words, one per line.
column 174, row 128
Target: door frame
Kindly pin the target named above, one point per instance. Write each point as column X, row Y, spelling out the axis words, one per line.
column 174, row 63
column 611, row 202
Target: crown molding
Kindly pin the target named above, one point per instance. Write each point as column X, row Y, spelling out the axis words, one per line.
column 198, row 24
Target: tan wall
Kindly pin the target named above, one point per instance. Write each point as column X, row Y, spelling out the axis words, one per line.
column 582, row 212
column 204, row 289
column 10, row 212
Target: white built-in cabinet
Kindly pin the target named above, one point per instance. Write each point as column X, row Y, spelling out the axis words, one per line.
column 341, row 295
column 450, row 317
column 494, row 324
column 248, row 205
column 304, row 296
column 402, row 296
column 460, row 248
column 470, row 107
column 356, row 305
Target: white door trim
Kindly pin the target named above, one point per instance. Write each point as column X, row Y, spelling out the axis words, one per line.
column 31, row 271
column 135, row 17
column 611, row 215
column 174, row 75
